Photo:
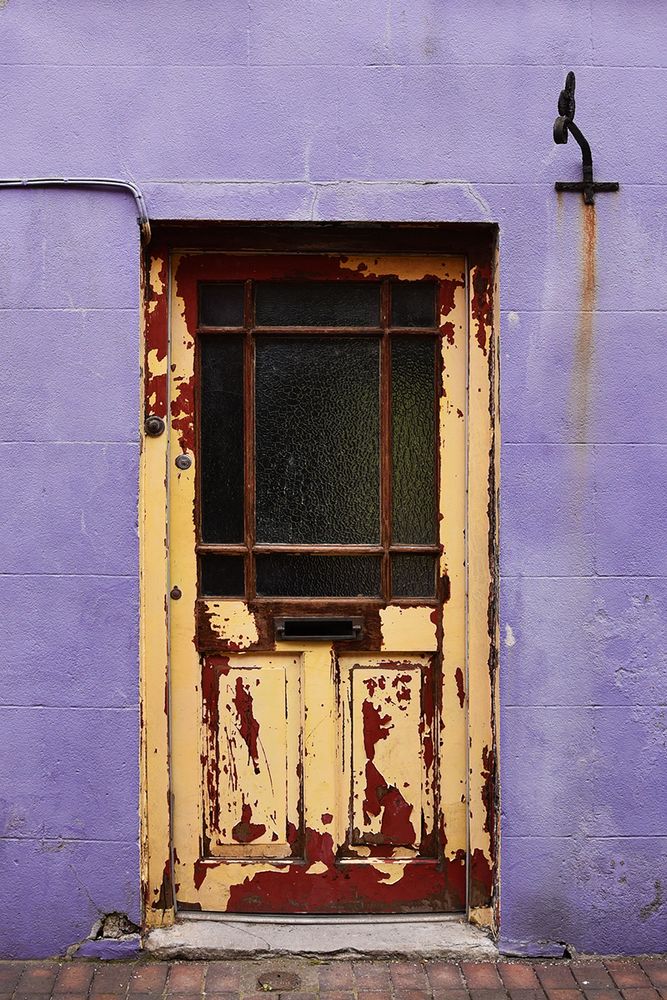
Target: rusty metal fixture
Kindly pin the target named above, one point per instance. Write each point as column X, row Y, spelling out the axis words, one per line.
column 318, row 629
column 183, row 462
column 154, row 425
column 278, row 981
column 564, row 126
column 175, row 593
column 97, row 183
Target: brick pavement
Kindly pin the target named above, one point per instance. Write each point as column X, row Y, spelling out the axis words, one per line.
column 302, row 979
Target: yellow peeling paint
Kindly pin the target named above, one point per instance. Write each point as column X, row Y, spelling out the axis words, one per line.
column 233, row 621
column 318, row 687
column 408, row 629
column 187, row 736
column 153, row 658
column 156, row 364
column 155, row 282
column 453, row 444
column 394, row 871
column 483, row 418
column 406, row 267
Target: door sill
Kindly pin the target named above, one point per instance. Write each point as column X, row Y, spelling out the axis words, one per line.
column 214, row 935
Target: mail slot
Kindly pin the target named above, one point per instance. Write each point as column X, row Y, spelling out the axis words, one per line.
column 318, row 629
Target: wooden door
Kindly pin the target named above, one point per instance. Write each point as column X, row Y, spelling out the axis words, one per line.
column 316, row 538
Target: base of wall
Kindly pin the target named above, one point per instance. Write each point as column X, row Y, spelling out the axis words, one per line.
column 108, row 948
column 532, row 949
column 214, row 936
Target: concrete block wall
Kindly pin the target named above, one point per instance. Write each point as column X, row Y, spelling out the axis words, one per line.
column 427, row 111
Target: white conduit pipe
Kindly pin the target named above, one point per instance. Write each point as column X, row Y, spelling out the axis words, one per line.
column 99, row 183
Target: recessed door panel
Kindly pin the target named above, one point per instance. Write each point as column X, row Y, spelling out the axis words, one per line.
column 252, row 720
column 389, row 780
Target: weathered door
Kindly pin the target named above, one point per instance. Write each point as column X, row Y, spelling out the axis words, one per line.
column 317, row 582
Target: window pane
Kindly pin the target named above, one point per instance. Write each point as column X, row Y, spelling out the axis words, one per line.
column 413, row 575
column 221, row 304
column 413, row 423
column 282, row 575
column 222, row 576
column 317, row 303
column 317, row 440
column 413, row 303
column 221, row 428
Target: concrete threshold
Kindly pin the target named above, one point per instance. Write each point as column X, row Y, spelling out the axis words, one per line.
column 211, row 936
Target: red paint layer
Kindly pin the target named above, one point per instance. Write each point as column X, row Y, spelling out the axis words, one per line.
column 381, row 798
column 481, row 305
column 182, row 415
column 460, row 690
column 211, row 759
column 481, row 879
column 376, row 727
column 155, row 326
column 488, row 762
column 358, row 888
column 447, row 295
column 245, row 832
column 248, row 725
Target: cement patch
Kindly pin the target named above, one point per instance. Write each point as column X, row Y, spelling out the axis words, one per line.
column 230, row 937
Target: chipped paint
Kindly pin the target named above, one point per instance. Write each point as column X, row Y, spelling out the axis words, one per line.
column 481, row 304
column 276, row 834
column 405, row 629
column 156, row 282
column 482, row 570
column 232, row 621
column 156, row 874
column 408, row 267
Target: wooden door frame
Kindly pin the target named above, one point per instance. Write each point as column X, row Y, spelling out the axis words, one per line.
column 477, row 688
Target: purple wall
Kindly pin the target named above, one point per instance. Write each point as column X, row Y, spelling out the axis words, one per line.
column 301, row 110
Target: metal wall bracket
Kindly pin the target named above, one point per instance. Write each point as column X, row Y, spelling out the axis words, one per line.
column 564, row 126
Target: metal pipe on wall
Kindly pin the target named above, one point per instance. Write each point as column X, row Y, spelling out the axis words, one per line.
column 96, row 183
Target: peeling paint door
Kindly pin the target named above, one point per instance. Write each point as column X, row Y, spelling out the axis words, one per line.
column 317, row 503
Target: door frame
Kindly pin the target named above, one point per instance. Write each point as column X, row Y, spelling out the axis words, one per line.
column 478, row 687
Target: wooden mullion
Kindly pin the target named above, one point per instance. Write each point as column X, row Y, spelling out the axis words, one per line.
column 320, row 331
column 321, row 550
column 204, row 331
column 197, row 410
column 385, row 440
column 249, row 439
column 267, row 548
column 222, row 549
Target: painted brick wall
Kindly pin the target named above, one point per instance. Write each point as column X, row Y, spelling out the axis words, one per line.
column 384, row 111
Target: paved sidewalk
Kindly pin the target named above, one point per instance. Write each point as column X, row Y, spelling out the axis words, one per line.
column 296, row 979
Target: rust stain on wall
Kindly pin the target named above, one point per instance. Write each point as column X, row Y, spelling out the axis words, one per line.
column 584, row 348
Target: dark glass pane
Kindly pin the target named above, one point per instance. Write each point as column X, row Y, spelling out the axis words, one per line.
column 282, row 575
column 317, row 303
column 221, row 304
column 221, row 428
column 413, row 303
column 413, row 426
column 317, row 440
column 222, row 576
column 413, row 575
